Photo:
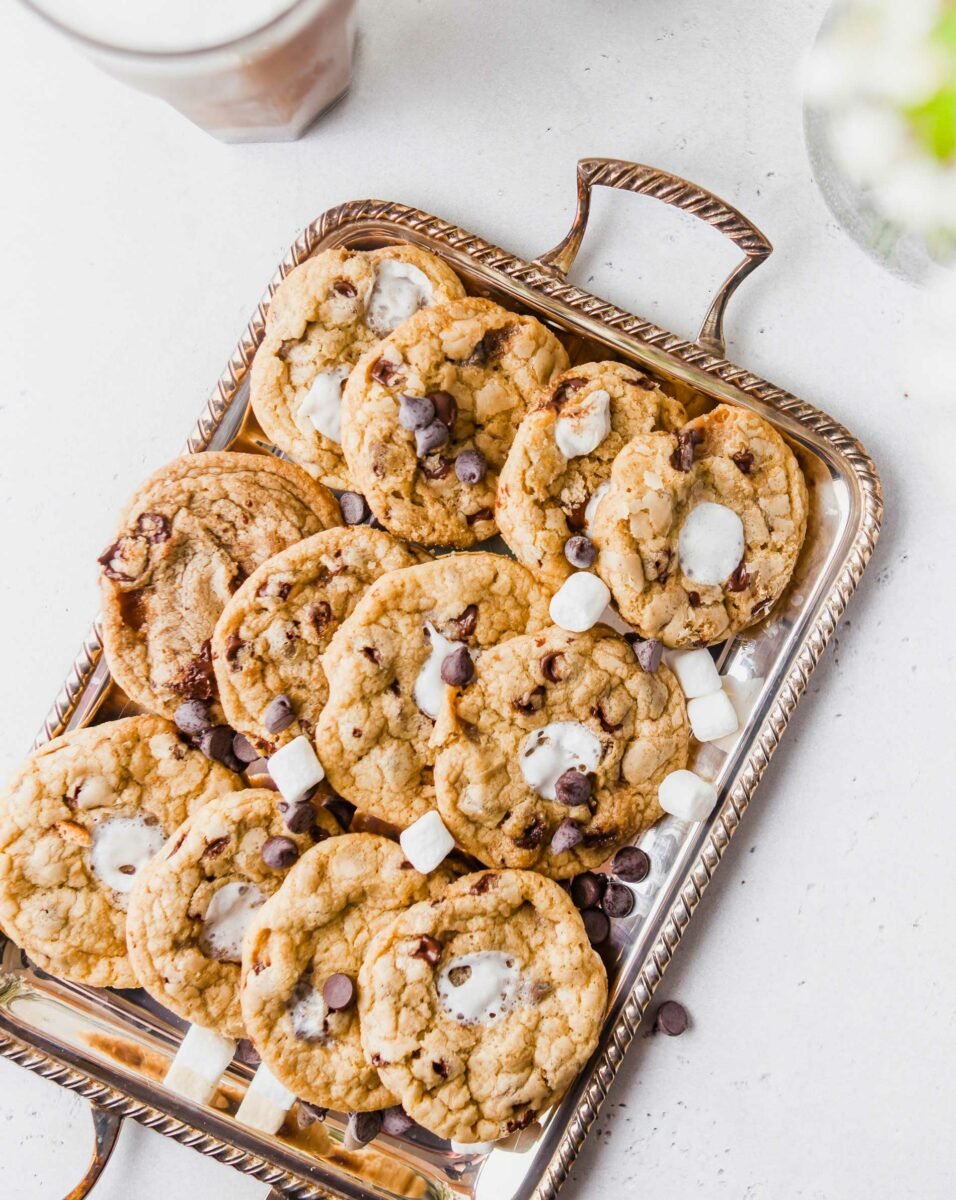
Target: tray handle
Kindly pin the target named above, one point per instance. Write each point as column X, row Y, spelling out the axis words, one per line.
column 106, row 1127
column 648, row 181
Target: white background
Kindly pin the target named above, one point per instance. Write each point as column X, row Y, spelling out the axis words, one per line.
column 819, row 972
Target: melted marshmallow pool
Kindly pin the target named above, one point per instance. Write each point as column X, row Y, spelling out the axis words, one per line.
column 479, row 988
column 122, row 846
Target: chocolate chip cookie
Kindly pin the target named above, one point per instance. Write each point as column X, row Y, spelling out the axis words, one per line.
column 190, row 909
column 480, row 1007
column 188, row 538
column 551, row 757
column 324, row 315
column 388, row 665
column 429, row 415
column 301, row 965
column 78, row 823
column 700, row 530
column 268, row 642
column 561, row 459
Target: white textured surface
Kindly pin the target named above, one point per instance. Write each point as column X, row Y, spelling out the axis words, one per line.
column 819, row 973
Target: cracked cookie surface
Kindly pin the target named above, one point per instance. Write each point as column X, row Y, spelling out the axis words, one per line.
column 374, row 739
column 190, row 907
column 472, row 368
column 77, row 823
column 545, row 704
column 510, row 948
column 188, row 538
column 270, row 637
column 324, row 315
column 553, row 470
column 729, row 458
column 319, row 923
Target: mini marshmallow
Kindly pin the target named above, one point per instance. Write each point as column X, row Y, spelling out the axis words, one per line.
column 295, row 770
column 587, row 428
column 265, row 1103
column 711, row 716
column 695, row 670
column 426, row 842
column 710, row 544
column 684, row 794
column 579, row 602
column 200, row 1061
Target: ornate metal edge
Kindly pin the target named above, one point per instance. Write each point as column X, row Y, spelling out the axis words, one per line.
column 540, row 279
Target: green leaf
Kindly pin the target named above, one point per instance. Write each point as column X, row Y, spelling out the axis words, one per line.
column 934, row 123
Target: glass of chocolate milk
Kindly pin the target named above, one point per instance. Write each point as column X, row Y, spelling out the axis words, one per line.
column 243, row 70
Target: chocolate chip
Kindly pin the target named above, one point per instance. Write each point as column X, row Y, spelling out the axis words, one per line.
column 415, row 412
column 467, row 621
column 344, row 287
column 471, row 467
column 195, row 680
column 436, row 467
column 577, row 516
column 440, row 1068
column 385, row 372
column 429, row 949
column 763, row 607
column 341, row 809
column 372, row 654
column 483, row 514
column 671, row 1018
column 596, row 926
column 362, row 1128
column 125, row 560
column 682, row 458
column 457, row 669
column 743, row 460
column 243, row 749
column 551, row 666
column 286, row 346
column 216, row 743
column 482, row 884
column 580, row 551
column 154, row 527
column 739, row 580
column 647, row 384
column 234, row 644
column 566, row 837
column 533, row 834
column 430, row 438
column 533, row 702
column 320, row 615
column 649, row 654
column 247, row 1053
column 631, row 864
column 192, row 717
column 693, row 599
column 606, row 724
column 216, row 847
column 618, row 899
column 298, row 817
column 566, row 389
column 338, row 992
column 279, row 714
column 396, row 1121
column 307, row 1114
column 446, row 407
column 572, row 788
column 354, row 509
column 587, row 889
column 279, row 852
column 489, row 346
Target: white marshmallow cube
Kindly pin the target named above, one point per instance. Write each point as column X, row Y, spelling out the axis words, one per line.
column 265, row 1103
column 712, row 716
column 199, row 1064
column 684, row 794
column 426, row 842
column 695, row 671
column 580, row 601
column 295, row 769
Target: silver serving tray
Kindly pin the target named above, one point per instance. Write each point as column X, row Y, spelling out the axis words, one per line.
column 114, row 1047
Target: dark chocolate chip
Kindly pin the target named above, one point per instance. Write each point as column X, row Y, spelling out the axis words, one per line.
column 682, row 458
column 344, row 287
column 436, row 467
column 457, row 669
column 467, row 621
column 566, row 837
column 195, row 680
column 566, row 389
column 596, row 925
column 234, row 644
column 471, row 467
column 279, row 714
column 247, row 1053
column 216, row 743
column 341, row 809
column 415, row 412
column 216, row 847
column 429, row 949
column 739, row 579
column 482, row 884
column 243, row 749
column 338, row 992
column 580, row 551
column 372, row 654
column 533, row 702
column 125, row 560
column 446, row 407
column 396, row 1121
column 354, row 509
column 385, row 372
column 743, row 460
column 693, row 599
column 551, row 666
column 572, row 788
column 606, row 724
column 192, row 717
column 618, row 899
column 154, row 527
column 440, row 1068
column 279, row 853
column 320, row 615
column 533, row 834
column 631, row 864
column 489, row 346
column 587, row 889
column 649, row 654
column 483, row 514
column 362, row 1128
column 298, row 817
column 577, row 517
column 307, row 1114
column 671, row 1018
column 430, row 438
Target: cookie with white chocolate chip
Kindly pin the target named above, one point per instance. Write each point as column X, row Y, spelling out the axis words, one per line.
column 429, row 415
column 301, row 964
column 268, row 642
column 413, row 632
column 324, row 315
column 188, row 538
column 480, row 1007
column 79, row 821
column 189, row 910
column 700, row 531
column 551, row 757
column 561, row 459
